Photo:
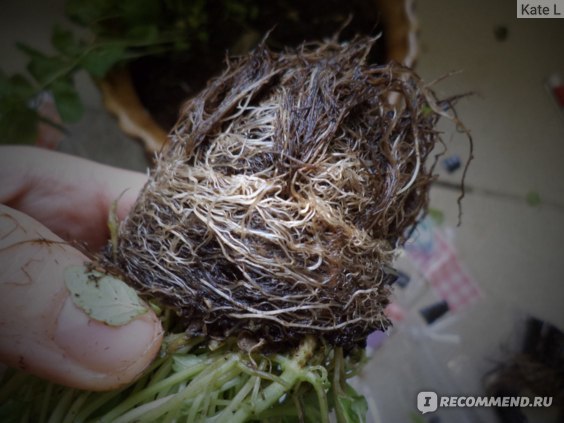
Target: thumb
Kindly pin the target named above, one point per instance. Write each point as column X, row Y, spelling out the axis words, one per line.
column 43, row 332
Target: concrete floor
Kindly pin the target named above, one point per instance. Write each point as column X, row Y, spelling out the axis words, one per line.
column 512, row 250
column 97, row 135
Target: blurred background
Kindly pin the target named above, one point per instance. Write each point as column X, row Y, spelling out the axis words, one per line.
column 478, row 307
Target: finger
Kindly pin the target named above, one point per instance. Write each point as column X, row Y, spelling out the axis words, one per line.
column 69, row 195
column 43, row 332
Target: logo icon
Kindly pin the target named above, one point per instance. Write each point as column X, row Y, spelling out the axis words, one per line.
column 427, row 401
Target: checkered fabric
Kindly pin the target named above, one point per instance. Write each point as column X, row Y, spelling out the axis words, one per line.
column 437, row 260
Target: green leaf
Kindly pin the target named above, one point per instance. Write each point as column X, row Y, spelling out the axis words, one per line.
column 437, row 215
column 196, row 16
column 44, row 70
column 63, row 40
column 236, row 10
column 5, row 84
column 98, row 62
column 86, row 12
column 67, row 100
column 140, row 12
column 18, row 120
column 144, row 33
column 12, row 410
column 182, row 45
column 353, row 406
column 28, row 50
column 16, row 86
column 103, row 297
column 18, row 123
column 22, row 87
column 41, row 67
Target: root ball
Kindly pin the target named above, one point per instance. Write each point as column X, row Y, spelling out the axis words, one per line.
column 287, row 185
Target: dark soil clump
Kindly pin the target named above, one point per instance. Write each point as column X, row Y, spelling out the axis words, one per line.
column 164, row 83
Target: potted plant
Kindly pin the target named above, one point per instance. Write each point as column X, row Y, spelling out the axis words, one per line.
column 148, row 56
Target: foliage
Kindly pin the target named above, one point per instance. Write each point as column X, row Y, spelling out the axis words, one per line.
column 194, row 381
column 118, row 31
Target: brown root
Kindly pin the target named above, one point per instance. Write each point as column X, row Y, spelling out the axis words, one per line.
column 286, row 188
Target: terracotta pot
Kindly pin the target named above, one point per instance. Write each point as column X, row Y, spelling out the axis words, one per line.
column 400, row 29
column 121, row 100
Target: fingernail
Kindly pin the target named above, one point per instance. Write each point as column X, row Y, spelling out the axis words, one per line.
column 107, row 349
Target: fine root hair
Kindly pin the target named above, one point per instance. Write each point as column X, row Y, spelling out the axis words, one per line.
column 287, row 186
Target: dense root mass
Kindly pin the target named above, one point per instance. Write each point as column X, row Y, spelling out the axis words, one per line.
column 286, row 187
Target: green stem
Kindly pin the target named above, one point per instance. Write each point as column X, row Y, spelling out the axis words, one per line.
column 62, row 406
column 136, row 414
column 261, row 374
column 321, row 396
column 161, row 374
column 102, row 399
column 95, row 405
column 196, row 406
column 160, row 368
column 27, row 395
column 74, row 63
column 54, row 124
column 154, row 389
column 273, row 392
column 337, row 390
column 237, row 401
column 210, row 403
column 45, row 403
column 214, row 376
column 71, row 415
column 14, row 383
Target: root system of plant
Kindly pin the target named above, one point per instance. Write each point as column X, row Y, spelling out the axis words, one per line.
column 266, row 236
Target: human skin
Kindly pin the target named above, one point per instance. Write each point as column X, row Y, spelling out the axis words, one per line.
column 51, row 203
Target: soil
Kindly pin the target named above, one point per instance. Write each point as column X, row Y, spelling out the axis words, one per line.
column 164, row 83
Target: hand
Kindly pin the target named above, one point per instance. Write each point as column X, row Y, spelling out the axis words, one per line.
column 54, row 197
